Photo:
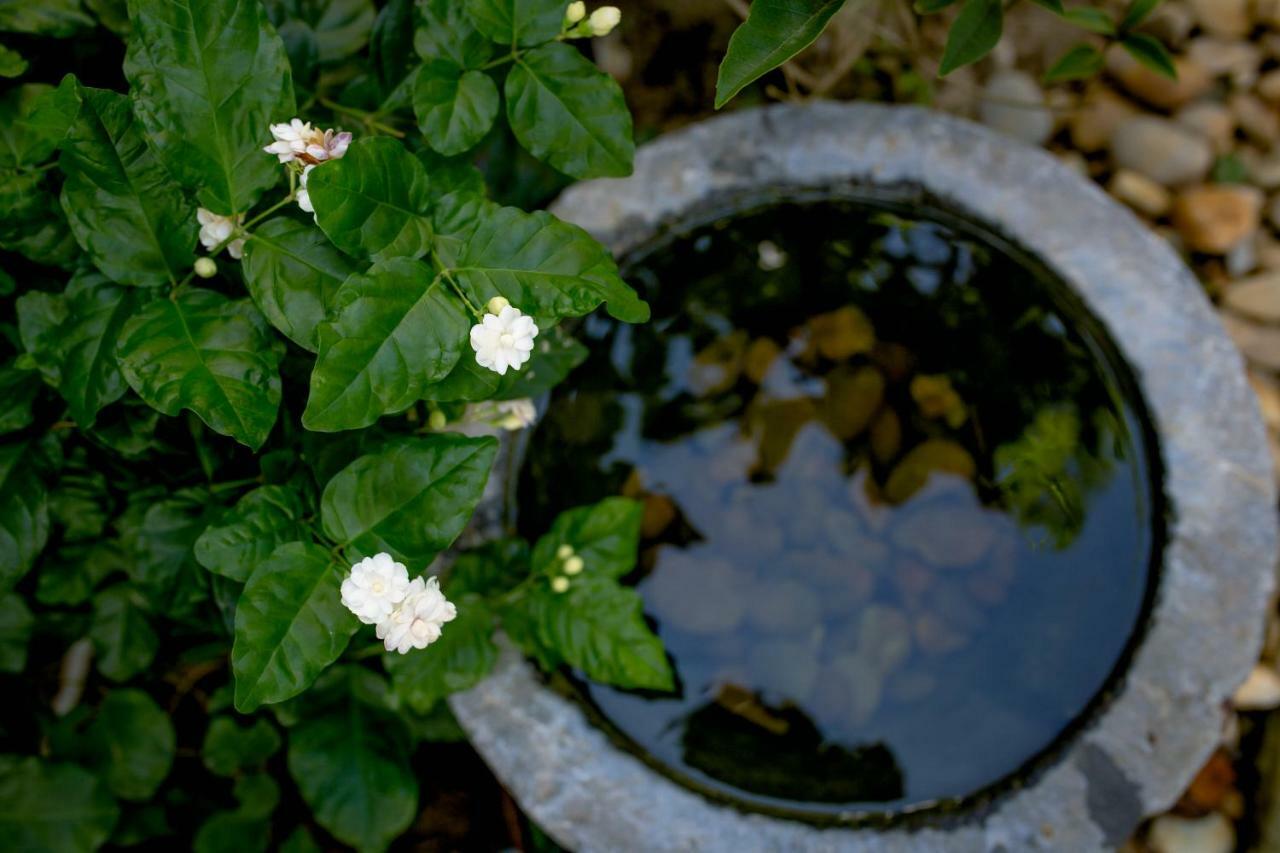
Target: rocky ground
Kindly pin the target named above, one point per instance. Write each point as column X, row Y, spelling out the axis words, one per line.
column 1198, row 159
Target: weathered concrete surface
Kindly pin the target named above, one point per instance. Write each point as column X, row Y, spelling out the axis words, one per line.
column 1139, row 752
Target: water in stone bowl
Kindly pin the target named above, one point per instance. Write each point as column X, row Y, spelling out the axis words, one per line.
column 899, row 513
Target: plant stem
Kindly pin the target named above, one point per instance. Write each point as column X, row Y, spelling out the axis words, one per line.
column 444, row 273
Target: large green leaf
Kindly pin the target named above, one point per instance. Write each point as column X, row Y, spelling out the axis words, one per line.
column 260, row 522
column 596, row 626
column 229, row 749
column 446, row 32
column 48, row 807
column 209, row 77
column 517, row 22
column 391, row 332
column 464, row 654
column 604, row 535
column 290, row 625
column 545, row 267
column 131, row 744
column 16, row 622
column 391, row 44
column 455, row 108
column 78, row 353
column 24, row 513
column 412, row 499
column 33, row 119
column 351, row 766
column 975, row 32
column 374, row 201
column 204, row 352
column 292, row 272
column 122, row 206
column 570, row 114
column 121, row 634
column 774, row 31
column 57, row 18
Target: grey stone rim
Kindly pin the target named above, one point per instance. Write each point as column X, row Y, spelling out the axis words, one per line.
column 1205, row 630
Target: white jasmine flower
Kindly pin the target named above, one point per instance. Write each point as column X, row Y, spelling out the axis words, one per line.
column 298, row 140
column 503, row 340
column 375, row 587
column 417, row 622
column 576, row 12
column 604, row 19
column 215, row 228
column 304, row 197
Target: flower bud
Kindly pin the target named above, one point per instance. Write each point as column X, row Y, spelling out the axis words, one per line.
column 604, row 19
column 574, row 565
column 576, row 12
column 496, row 304
column 564, row 552
column 206, row 268
column 560, row 584
column 437, row 420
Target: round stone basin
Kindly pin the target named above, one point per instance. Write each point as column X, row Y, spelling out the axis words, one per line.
column 1012, row 623
column 900, row 507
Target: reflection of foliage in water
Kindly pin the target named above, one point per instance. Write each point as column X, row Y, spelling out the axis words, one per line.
column 791, row 761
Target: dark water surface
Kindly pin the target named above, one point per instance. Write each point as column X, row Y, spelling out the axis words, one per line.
column 899, row 513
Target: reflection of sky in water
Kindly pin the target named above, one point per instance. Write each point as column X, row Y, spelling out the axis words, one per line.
column 805, row 590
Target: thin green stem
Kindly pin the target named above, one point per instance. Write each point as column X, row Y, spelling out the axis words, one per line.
column 457, row 288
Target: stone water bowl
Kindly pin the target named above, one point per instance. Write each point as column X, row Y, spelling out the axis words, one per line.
column 1138, row 746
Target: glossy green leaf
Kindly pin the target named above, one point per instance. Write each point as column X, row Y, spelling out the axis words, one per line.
column 605, row 536
column 1150, row 52
column 204, row 352
column 451, row 175
column 78, row 353
column 491, row 569
column 131, row 744
column 53, row 807
column 1078, row 63
column 35, row 225
column 1138, row 11
column 261, row 521
column 121, row 203
column 112, row 14
column 569, row 114
column 12, row 64
column 18, row 388
column 455, row 108
column 1093, row 20
column 391, row 44
column 446, row 32
column 292, row 271
column 16, row 622
column 775, row 31
column 545, row 267
column 230, row 748
column 122, row 635
column 57, row 18
column 464, row 654
column 412, row 499
column 374, row 201
column 517, row 22
column 597, row 626
column 391, row 332
column 351, row 766
column 975, row 32
column 24, row 513
column 290, row 625
column 232, row 832
column 209, row 77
